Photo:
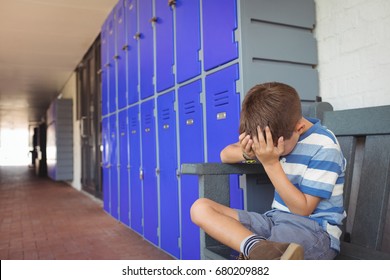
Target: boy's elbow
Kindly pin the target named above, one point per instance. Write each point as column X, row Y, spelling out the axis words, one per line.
column 222, row 156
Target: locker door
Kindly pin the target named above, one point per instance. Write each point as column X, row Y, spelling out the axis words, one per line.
column 135, row 165
column 124, row 190
column 114, row 182
column 111, row 66
column 104, row 62
column 169, row 193
column 149, row 164
column 191, row 151
column 121, row 53
column 164, row 46
column 132, row 50
column 219, row 24
column 223, row 113
column 145, row 36
column 106, row 164
column 187, row 47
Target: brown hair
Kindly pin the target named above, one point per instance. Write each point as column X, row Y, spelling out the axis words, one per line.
column 274, row 104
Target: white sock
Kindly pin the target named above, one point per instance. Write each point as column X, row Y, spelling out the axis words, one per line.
column 247, row 244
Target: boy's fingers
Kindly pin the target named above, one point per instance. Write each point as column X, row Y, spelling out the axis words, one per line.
column 248, row 147
column 268, row 134
column 260, row 136
column 281, row 145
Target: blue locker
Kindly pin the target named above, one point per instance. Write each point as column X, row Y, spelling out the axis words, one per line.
column 165, row 78
column 112, row 85
column 111, row 40
column 149, row 165
column 121, row 53
column 191, row 151
column 132, row 50
column 219, row 24
column 111, row 65
column 169, row 192
column 187, row 47
column 104, row 69
column 223, row 114
column 145, row 36
column 114, row 182
column 135, row 165
column 106, row 164
column 124, row 189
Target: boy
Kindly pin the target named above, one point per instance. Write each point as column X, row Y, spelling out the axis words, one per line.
column 306, row 167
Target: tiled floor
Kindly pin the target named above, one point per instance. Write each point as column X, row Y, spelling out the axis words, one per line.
column 43, row 219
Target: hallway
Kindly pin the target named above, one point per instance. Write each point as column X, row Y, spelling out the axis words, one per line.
column 44, row 219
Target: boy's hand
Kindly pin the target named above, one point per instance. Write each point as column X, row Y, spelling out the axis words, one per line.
column 264, row 149
column 246, row 145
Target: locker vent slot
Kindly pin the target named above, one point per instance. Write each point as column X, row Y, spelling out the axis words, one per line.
column 166, row 114
column 259, row 59
column 189, row 107
column 122, row 126
column 111, row 27
column 119, row 15
column 148, row 119
column 221, row 98
column 260, row 21
column 134, row 122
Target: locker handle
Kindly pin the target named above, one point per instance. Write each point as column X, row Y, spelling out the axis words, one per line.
column 107, row 65
column 125, row 47
column 137, row 36
column 99, row 71
column 153, row 20
column 172, row 3
column 116, row 56
column 221, row 116
column 141, row 174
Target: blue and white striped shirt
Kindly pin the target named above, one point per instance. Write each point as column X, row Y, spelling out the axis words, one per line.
column 316, row 167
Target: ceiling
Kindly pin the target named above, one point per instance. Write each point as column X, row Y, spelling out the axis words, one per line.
column 41, row 43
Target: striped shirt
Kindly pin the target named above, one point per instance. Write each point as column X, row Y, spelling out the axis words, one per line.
column 316, row 167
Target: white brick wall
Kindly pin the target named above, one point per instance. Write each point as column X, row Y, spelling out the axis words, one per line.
column 354, row 52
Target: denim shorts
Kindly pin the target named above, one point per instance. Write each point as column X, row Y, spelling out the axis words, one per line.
column 286, row 227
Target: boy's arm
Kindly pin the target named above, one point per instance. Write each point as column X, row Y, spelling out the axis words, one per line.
column 296, row 201
column 235, row 152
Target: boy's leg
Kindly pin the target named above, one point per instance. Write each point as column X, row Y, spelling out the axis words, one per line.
column 304, row 231
column 220, row 222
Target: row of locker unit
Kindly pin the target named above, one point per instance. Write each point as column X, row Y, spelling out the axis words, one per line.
column 144, row 146
column 149, row 46
column 173, row 76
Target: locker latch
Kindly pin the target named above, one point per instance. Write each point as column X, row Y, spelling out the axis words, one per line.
column 172, row 3
column 221, row 116
column 137, row 36
column 153, row 20
column 141, row 174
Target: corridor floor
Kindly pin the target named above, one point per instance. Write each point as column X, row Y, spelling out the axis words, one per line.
column 44, row 219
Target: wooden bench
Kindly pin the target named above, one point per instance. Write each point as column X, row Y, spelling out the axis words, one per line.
column 364, row 137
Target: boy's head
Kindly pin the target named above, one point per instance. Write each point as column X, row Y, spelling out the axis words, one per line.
column 274, row 104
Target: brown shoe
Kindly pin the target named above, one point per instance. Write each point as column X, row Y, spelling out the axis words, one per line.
column 270, row 250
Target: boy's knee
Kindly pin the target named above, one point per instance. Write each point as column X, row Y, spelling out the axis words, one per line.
column 197, row 209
